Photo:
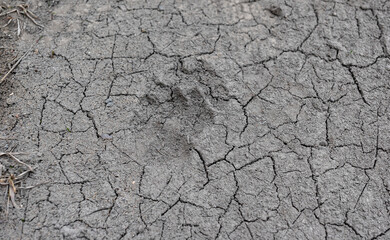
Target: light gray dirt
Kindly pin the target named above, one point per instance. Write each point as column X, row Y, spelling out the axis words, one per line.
column 209, row 119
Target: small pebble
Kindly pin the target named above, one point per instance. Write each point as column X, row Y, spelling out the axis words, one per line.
column 277, row 11
column 323, row 144
column 109, row 102
column 12, row 100
column 105, row 136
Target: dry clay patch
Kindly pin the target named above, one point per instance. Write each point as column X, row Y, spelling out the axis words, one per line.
column 220, row 119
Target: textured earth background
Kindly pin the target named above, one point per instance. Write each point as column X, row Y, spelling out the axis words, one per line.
column 209, row 119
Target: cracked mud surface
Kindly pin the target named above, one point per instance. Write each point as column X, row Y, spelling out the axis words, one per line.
column 208, row 120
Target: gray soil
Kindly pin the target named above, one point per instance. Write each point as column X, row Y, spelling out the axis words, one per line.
column 209, row 119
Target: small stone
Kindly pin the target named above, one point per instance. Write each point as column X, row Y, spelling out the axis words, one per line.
column 323, row 144
column 105, row 136
column 108, row 100
column 277, row 11
column 12, row 99
column 388, row 67
column 110, row 104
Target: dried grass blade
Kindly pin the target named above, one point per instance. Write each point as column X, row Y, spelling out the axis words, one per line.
column 17, row 160
column 9, row 12
column 26, row 12
column 19, row 29
column 30, row 187
column 16, row 64
column 12, row 197
column 8, row 23
column 32, row 14
column 22, row 174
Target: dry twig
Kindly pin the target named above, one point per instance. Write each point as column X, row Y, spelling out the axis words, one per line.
column 16, row 12
column 12, row 156
column 30, row 15
column 7, row 138
column 16, row 64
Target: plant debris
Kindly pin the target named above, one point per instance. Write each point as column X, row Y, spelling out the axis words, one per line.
column 12, row 181
column 13, row 14
column 15, row 65
column 18, row 61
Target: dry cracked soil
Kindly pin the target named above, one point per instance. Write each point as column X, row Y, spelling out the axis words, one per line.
column 209, row 119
